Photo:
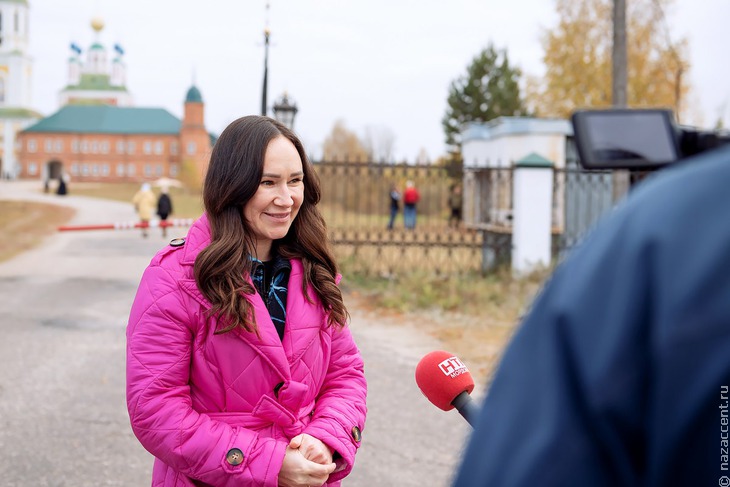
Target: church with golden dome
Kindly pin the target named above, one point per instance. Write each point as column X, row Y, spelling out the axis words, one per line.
column 99, row 135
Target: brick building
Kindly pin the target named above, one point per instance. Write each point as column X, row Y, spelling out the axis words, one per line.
column 108, row 143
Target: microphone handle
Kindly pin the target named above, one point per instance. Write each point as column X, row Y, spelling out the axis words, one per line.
column 466, row 407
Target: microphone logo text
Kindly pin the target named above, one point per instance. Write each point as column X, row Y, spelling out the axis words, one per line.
column 453, row 367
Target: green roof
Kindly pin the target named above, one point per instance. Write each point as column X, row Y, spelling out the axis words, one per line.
column 534, row 160
column 22, row 2
column 96, row 46
column 107, row 119
column 95, row 82
column 193, row 95
column 19, row 113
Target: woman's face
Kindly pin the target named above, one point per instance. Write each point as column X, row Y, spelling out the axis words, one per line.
column 272, row 209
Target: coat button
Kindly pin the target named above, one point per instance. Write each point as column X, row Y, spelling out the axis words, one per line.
column 177, row 242
column 234, row 456
column 356, row 434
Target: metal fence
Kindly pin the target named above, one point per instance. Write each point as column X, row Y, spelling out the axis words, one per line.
column 356, row 206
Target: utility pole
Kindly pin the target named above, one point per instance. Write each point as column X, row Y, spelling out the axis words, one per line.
column 619, row 59
column 619, row 81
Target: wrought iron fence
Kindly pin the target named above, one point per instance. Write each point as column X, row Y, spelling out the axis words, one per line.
column 356, row 206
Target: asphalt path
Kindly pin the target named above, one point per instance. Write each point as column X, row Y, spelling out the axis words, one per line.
column 63, row 418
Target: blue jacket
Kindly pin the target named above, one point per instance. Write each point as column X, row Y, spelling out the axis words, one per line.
column 619, row 374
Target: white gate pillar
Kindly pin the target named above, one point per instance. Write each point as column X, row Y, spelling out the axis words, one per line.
column 532, row 213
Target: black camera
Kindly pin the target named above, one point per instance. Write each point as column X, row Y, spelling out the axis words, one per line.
column 641, row 139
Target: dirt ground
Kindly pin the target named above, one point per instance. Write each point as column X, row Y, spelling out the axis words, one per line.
column 478, row 341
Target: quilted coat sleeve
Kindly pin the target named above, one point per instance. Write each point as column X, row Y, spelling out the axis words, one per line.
column 159, row 348
column 340, row 408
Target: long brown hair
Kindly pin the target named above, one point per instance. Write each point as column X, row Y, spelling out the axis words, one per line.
column 222, row 268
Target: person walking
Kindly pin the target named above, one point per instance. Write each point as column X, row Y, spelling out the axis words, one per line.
column 241, row 368
column 394, row 205
column 411, row 196
column 456, row 201
column 62, row 189
column 164, row 208
column 144, row 204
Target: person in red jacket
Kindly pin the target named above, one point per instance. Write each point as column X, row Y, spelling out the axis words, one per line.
column 241, row 369
column 411, row 196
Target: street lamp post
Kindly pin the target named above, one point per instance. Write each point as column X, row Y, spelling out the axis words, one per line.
column 267, row 34
column 285, row 111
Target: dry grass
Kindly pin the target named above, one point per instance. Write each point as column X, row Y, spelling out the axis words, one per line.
column 473, row 316
column 24, row 225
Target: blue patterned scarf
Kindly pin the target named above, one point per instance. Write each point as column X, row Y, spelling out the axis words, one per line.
column 271, row 280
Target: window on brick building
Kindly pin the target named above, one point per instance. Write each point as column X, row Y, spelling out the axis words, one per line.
column 74, row 169
column 148, row 170
column 131, row 169
column 74, row 145
column 158, row 170
column 130, row 147
column 48, row 145
column 173, row 170
column 147, row 147
column 159, row 147
column 120, row 169
column 58, row 146
column 173, row 147
column 120, row 147
column 105, row 147
column 32, row 168
column 191, row 147
column 105, row 169
column 32, row 145
column 84, row 169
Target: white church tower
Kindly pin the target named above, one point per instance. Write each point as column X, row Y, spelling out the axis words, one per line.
column 91, row 81
column 15, row 81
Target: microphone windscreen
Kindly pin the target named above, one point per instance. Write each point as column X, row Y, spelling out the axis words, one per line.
column 441, row 376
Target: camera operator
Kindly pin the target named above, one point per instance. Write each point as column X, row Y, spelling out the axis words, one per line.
column 619, row 374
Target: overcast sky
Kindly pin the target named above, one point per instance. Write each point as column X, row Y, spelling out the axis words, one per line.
column 384, row 64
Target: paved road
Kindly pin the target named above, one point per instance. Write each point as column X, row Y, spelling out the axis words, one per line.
column 63, row 419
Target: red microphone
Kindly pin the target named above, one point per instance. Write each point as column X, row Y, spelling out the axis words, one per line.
column 447, row 383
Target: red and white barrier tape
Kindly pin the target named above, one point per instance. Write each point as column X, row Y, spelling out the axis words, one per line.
column 129, row 225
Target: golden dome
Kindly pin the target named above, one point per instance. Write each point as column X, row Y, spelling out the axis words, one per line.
column 97, row 24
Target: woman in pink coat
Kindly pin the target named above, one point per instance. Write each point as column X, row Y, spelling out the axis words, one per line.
column 241, row 370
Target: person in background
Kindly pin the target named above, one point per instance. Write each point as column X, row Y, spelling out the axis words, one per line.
column 241, row 368
column 394, row 205
column 62, row 189
column 164, row 208
column 411, row 197
column 620, row 373
column 144, row 202
column 455, row 203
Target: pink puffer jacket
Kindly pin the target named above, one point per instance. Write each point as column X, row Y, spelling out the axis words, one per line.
column 219, row 410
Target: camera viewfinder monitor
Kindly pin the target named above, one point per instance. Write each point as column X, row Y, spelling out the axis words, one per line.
column 625, row 138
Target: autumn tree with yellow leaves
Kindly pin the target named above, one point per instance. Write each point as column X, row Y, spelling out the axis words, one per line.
column 343, row 144
column 578, row 59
